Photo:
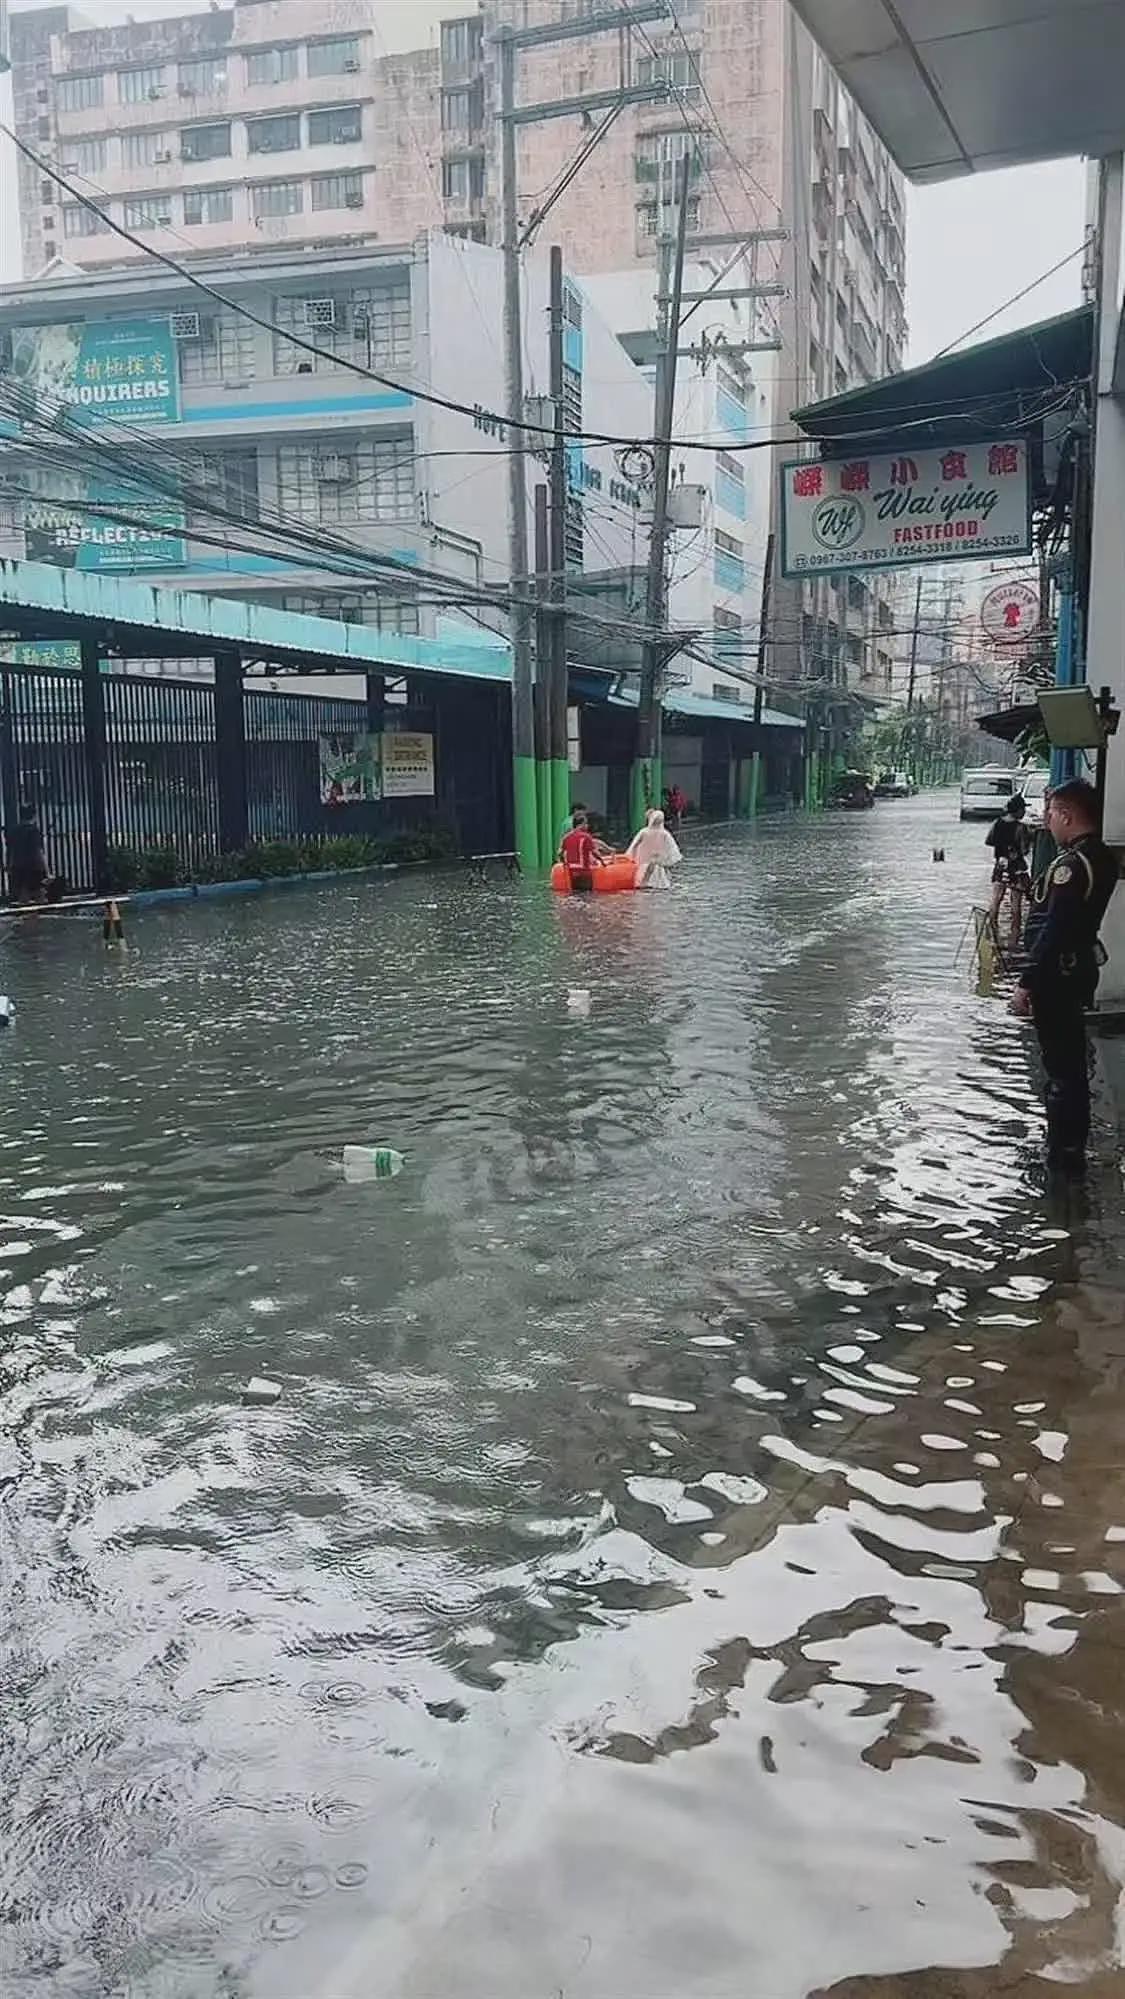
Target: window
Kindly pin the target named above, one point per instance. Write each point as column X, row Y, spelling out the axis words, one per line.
column 148, row 211
column 337, row 191
column 675, row 67
column 224, row 351
column 456, row 110
column 136, row 86
column 730, row 384
column 203, row 78
column 727, row 543
column 358, row 479
column 338, row 127
column 275, row 135
column 277, row 197
column 462, row 180
column 723, row 691
column 82, row 221
column 727, row 633
column 658, row 154
column 371, row 325
column 85, row 156
column 338, row 57
column 80, row 93
column 353, row 608
column 652, row 217
column 208, row 204
column 272, row 65
column 462, row 41
column 142, row 149
column 733, row 467
column 230, row 481
column 205, row 142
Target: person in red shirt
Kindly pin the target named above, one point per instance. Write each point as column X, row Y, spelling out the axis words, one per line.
column 580, row 854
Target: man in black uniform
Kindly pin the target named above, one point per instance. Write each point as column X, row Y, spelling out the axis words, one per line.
column 1069, row 902
column 27, row 865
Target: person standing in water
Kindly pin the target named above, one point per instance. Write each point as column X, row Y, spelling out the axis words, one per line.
column 654, row 852
column 27, row 862
column 1061, row 977
column 1011, row 843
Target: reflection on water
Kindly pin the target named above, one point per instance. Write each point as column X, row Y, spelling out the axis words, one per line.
column 687, row 1556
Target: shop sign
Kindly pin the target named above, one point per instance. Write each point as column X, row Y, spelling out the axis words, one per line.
column 408, row 766
column 911, row 506
column 124, row 369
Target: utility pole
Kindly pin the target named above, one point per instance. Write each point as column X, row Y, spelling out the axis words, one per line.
column 544, row 640
column 523, row 721
column 557, row 743
column 646, row 769
column 760, row 691
column 908, row 733
column 509, row 42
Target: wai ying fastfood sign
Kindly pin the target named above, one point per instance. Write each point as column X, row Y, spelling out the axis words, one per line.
column 945, row 505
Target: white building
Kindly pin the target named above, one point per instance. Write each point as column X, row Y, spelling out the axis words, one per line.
column 405, row 466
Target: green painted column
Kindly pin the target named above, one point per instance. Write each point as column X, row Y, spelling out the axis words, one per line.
column 526, row 812
column 755, row 787
column 543, row 812
column 560, row 800
column 645, row 790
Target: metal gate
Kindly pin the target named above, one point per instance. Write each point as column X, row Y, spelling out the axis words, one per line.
column 43, row 764
column 283, row 759
column 161, row 787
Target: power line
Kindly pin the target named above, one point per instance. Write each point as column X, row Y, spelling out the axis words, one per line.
column 1080, row 251
column 428, row 396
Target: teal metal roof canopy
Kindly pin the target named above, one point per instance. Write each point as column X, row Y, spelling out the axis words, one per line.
column 133, row 620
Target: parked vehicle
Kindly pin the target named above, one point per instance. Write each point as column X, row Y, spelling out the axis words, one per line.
column 854, row 791
column 986, row 791
column 895, row 784
column 1032, row 784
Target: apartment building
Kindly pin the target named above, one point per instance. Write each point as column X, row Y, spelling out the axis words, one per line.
column 270, row 122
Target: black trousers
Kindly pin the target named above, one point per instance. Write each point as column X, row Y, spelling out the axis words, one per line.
column 1057, row 1010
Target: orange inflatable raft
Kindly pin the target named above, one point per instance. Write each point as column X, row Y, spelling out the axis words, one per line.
column 612, row 879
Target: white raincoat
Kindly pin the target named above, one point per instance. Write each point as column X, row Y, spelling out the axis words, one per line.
column 654, row 852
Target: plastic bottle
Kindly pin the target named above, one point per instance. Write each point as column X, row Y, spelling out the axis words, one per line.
column 371, row 1162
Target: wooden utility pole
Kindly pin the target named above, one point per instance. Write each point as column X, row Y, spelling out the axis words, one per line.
column 646, row 769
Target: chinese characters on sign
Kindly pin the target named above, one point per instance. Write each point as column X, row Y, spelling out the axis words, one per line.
column 910, row 506
column 118, row 368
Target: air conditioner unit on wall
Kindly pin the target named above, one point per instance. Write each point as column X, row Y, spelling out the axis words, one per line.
column 320, row 312
column 351, row 65
column 162, row 158
column 184, row 325
column 354, row 199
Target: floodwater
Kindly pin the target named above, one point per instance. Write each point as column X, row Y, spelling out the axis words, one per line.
column 686, row 1559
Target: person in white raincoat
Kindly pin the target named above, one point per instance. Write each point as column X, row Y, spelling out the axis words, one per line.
column 654, row 852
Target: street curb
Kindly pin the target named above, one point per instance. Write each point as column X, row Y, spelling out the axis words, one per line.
column 154, row 898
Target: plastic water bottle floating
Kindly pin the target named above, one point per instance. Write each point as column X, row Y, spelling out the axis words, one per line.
column 371, row 1162
column 578, row 1000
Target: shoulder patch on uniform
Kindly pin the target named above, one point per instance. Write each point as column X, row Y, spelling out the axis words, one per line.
column 1062, row 875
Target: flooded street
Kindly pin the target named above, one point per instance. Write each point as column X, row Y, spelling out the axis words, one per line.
column 686, row 1560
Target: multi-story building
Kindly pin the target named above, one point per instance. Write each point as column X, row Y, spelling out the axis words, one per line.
column 296, row 124
column 283, row 474
column 268, row 122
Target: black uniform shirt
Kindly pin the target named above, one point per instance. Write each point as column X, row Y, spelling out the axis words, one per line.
column 1071, row 899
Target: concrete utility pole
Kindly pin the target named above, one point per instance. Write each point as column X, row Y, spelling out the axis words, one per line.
column 509, row 43
column 909, row 757
column 557, row 744
column 760, row 690
column 523, row 721
column 646, row 785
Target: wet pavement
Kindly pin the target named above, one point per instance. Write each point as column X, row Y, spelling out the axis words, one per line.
column 686, row 1561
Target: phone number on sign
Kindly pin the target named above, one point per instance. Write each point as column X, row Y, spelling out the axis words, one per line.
column 876, row 558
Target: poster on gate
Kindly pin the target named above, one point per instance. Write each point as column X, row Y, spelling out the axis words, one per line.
column 408, row 766
column 953, row 503
column 350, row 769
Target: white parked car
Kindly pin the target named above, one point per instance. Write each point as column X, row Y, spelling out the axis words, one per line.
column 986, row 791
column 1032, row 784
